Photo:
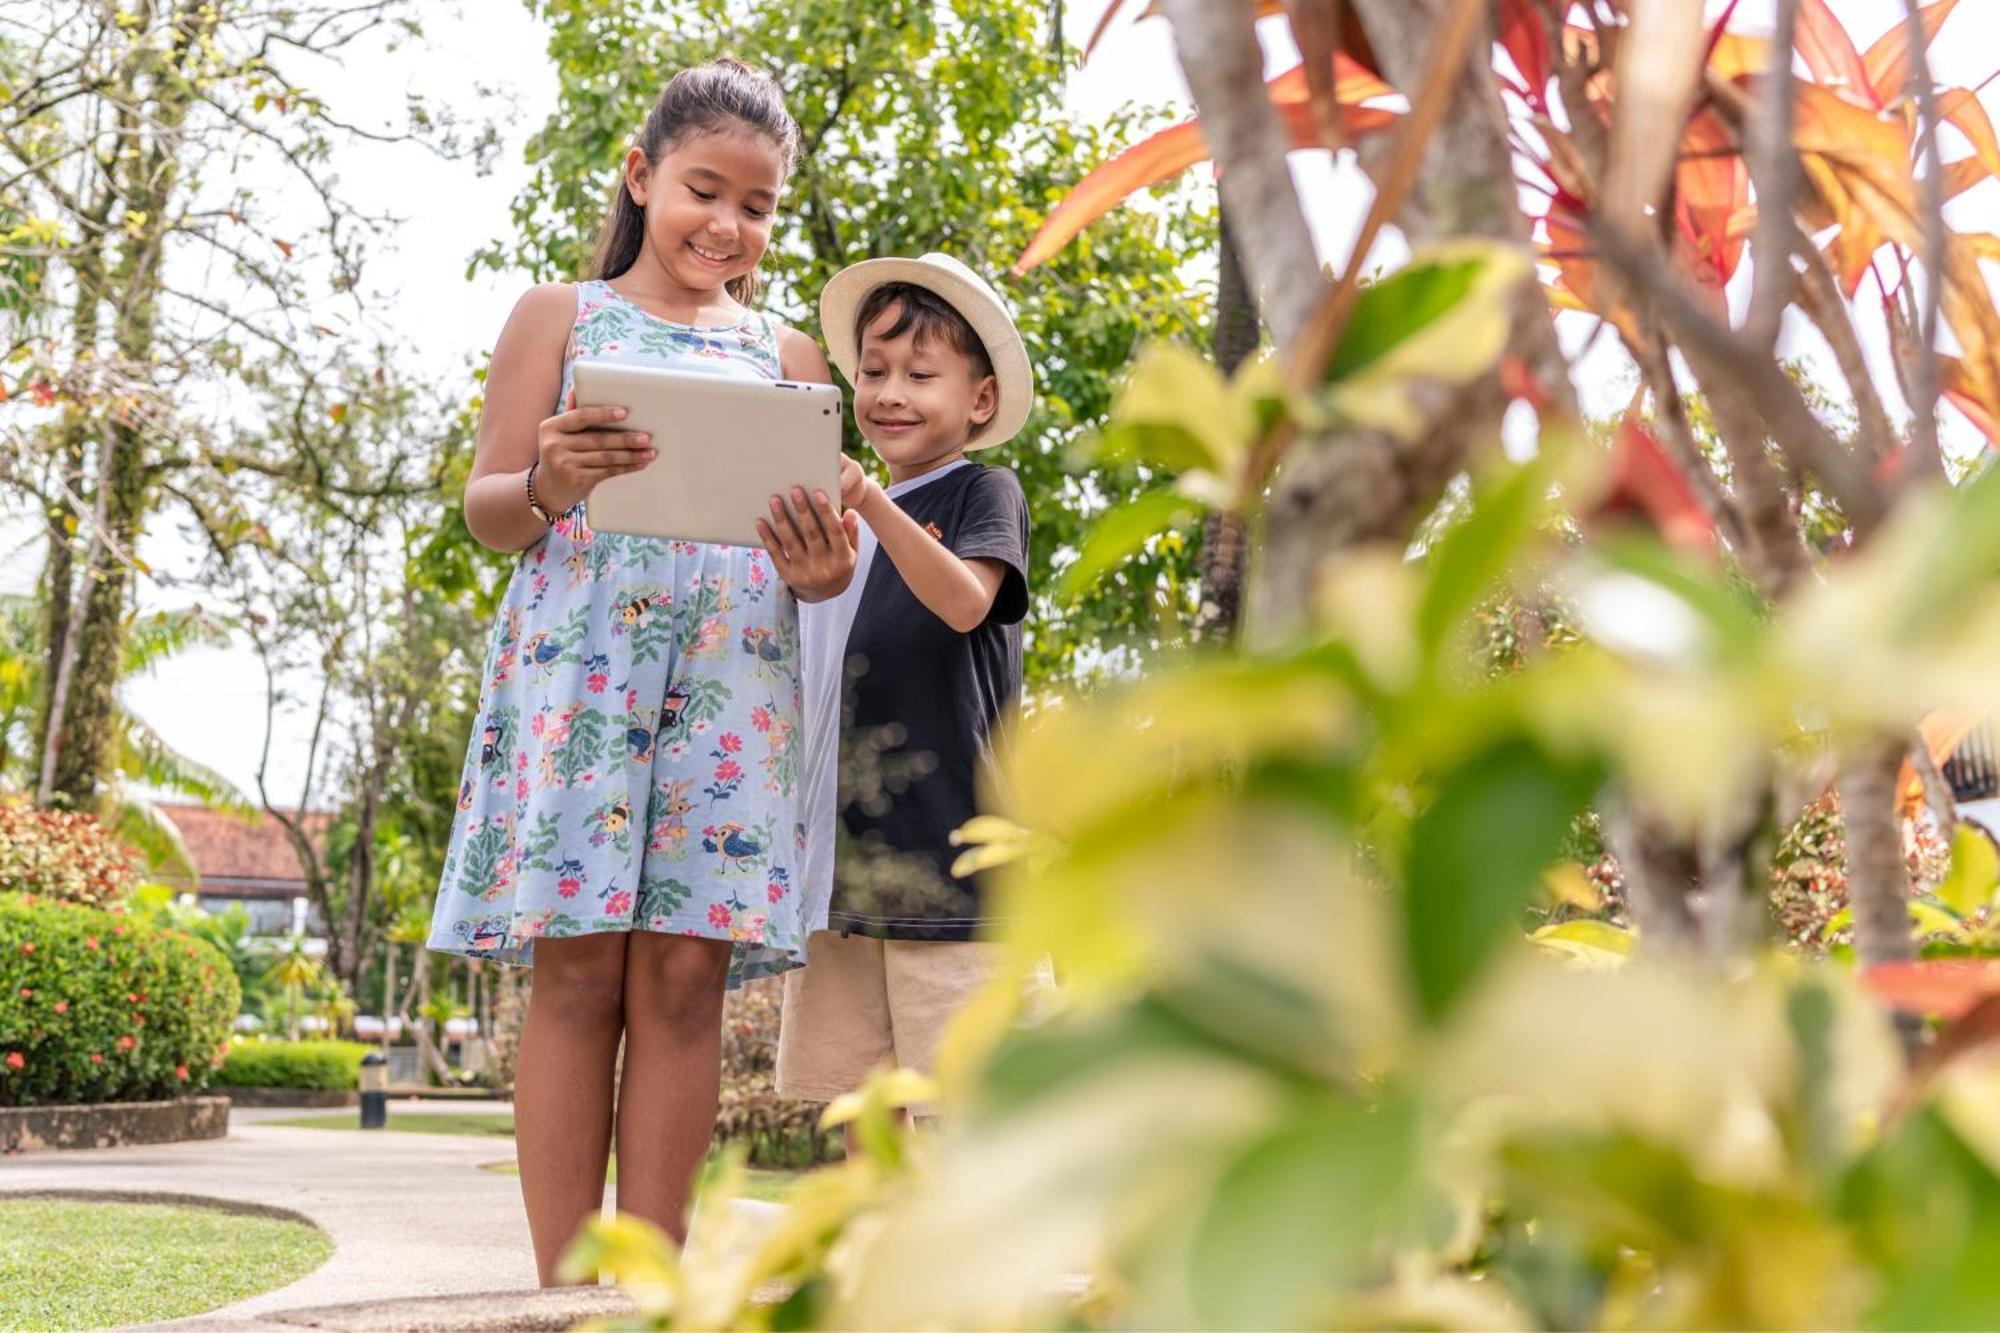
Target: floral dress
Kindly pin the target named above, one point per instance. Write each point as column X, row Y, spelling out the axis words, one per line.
column 634, row 762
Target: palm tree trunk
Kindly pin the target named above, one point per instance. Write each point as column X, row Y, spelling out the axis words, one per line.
column 1225, row 539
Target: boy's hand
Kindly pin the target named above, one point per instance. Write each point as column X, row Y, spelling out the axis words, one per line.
column 812, row 547
column 854, row 484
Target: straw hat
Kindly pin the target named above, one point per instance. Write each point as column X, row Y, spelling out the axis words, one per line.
column 970, row 295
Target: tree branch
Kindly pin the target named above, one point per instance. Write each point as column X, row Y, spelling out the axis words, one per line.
column 1224, row 64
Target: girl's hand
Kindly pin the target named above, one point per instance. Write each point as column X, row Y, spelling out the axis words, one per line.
column 854, row 484
column 812, row 547
column 581, row 447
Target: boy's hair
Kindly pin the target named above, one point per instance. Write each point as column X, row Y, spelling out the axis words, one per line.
column 721, row 94
column 923, row 315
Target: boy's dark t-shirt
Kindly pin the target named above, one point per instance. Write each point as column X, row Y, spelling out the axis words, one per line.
column 919, row 705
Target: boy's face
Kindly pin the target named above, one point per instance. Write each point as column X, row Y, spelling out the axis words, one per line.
column 917, row 402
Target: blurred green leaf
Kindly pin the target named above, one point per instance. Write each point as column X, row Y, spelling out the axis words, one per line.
column 1474, row 554
column 1925, row 1209
column 1475, row 860
column 1975, row 872
column 1120, row 533
column 1295, row 1220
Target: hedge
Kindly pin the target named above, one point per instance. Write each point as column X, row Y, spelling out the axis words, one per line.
column 96, row 1007
column 333, row 1066
column 62, row 854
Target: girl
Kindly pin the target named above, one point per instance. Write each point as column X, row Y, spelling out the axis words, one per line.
column 627, row 821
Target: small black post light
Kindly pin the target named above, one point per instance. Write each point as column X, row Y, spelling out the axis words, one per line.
column 374, row 1090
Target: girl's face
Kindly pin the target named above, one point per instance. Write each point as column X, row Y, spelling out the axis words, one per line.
column 708, row 199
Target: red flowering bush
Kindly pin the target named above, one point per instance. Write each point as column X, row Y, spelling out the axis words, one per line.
column 99, row 1008
column 60, row 854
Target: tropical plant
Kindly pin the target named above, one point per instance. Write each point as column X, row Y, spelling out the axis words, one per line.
column 1308, row 1071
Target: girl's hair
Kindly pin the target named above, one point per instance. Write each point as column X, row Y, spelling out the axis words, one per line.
column 722, row 94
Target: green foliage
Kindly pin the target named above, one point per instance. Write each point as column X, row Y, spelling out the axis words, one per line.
column 333, row 1066
column 105, row 1008
column 969, row 94
column 62, row 855
column 1309, row 1072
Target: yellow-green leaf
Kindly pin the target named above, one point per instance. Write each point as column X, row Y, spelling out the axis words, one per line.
column 1975, row 872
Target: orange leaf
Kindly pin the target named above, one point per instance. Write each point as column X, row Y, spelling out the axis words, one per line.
column 1962, row 175
column 1162, row 156
column 1888, row 61
column 1829, row 52
column 1961, row 106
column 1985, row 417
column 284, row 248
column 1711, row 187
column 1351, row 82
column 1103, row 25
column 1949, row 987
column 1735, row 56
column 338, row 412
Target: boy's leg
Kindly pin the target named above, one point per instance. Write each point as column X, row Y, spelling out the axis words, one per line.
column 673, row 1049
column 928, row 983
column 834, row 1030
column 562, row 1087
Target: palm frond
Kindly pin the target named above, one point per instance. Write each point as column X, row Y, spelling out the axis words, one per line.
column 144, row 757
column 152, row 638
column 145, row 828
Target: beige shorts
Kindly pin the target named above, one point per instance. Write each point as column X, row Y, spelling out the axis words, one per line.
column 860, row 1004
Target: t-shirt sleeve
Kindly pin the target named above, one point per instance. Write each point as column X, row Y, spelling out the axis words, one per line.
column 994, row 526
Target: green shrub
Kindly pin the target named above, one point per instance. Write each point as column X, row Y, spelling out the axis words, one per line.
column 775, row 1131
column 331, row 1066
column 97, row 1008
column 60, row 854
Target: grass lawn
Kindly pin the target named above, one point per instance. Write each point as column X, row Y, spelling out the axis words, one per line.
column 498, row 1124
column 758, row 1183
column 73, row 1264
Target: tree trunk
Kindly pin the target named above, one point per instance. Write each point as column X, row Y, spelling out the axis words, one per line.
column 1877, row 881
column 1225, row 538
column 388, row 992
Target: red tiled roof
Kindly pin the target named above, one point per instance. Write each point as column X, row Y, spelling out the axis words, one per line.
column 229, row 852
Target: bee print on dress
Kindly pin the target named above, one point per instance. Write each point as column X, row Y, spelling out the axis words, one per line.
column 612, row 823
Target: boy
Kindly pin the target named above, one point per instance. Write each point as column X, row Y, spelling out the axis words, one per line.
column 918, row 662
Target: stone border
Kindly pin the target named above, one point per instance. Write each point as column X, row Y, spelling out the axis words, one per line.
column 237, row 1207
column 113, row 1124
column 486, row 1312
column 307, row 1098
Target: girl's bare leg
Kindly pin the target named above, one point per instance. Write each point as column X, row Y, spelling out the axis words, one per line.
column 673, row 1055
column 562, row 1088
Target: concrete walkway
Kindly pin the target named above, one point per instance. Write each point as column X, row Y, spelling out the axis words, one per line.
column 410, row 1214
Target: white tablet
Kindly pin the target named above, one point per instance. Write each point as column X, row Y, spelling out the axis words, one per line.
column 726, row 446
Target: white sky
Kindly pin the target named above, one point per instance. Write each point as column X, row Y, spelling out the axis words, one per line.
column 210, row 703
